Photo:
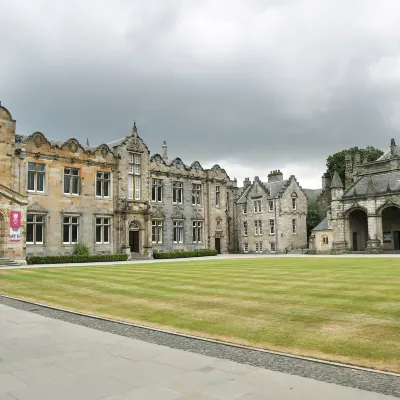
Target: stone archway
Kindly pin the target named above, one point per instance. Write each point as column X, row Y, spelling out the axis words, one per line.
column 358, row 224
column 391, row 228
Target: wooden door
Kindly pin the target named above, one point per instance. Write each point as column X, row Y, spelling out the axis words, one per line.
column 355, row 241
column 218, row 245
column 134, row 241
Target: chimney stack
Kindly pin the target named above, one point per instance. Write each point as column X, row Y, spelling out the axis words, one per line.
column 246, row 183
column 275, row 176
column 164, row 151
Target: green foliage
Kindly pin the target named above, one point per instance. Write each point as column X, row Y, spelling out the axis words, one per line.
column 336, row 162
column 81, row 249
column 185, row 254
column 315, row 214
column 76, row 258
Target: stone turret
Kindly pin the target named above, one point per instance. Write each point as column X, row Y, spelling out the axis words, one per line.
column 336, row 187
column 326, row 182
column 275, row 176
column 393, row 148
column 348, row 171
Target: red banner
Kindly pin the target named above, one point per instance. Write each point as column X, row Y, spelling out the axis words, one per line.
column 15, row 219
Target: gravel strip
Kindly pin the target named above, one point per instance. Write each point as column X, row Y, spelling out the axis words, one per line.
column 365, row 380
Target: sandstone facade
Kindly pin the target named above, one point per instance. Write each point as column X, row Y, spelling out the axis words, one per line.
column 117, row 197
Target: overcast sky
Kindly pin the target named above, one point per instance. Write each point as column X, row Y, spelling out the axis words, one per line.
column 253, row 85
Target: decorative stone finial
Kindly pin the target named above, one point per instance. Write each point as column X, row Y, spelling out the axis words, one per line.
column 134, row 130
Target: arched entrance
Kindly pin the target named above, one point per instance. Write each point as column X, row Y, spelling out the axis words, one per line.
column 3, row 235
column 134, row 236
column 391, row 228
column 358, row 222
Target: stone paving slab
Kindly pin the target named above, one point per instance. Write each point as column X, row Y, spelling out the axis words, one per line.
column 46, row 359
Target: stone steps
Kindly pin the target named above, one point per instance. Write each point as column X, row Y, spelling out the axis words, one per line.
column 6, row 262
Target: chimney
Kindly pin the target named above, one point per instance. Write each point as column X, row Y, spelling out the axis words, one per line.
column 393, row 148
column 275, row 176
column 164, row 151
column 357, row 159
column 326, row 182
column 246, row 183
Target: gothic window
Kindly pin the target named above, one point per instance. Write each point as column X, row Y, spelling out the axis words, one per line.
column 157, row 231
column 72, row 181
column 36, row 173
column 325, row 239
column 156, row 190
column 177, row 192
column 34, row 229
column 103, row 230
column 103, row 184
column 134, row 176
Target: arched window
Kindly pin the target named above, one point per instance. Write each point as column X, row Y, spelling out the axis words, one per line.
column 325, row 239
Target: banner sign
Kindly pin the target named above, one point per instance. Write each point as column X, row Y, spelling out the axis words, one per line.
column 15, row 226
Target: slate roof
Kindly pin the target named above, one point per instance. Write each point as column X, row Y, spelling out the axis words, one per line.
column 116, row 142
column 274, row 189
column 323, row 225
column 375, row 184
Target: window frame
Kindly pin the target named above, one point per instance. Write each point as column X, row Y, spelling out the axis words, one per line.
column 270, row 205
column 272, row 227
column 71, row 177
column 258, row 230
column 156, row 190
column 102, row 181
column 196, row 194
column 177, row 187
column 35, row 224
column 245, row 247
column 294, row 203
column 218, row 196
column 244, row 208
column 36, row 174
column 257, row 206
column 259, row 247
column 197, row 232
column 178, row 231
column 294, row 226
column 134, row 176
column 157, row 231
column 70, row 230
column 272, row 247
column 245, row 228
column 103, row 226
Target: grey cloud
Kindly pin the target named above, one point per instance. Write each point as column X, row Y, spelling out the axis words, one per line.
column 254, row 83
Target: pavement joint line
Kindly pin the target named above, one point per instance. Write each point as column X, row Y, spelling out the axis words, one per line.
column 172, row 333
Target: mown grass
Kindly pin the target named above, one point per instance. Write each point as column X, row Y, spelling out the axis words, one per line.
column 338, row 309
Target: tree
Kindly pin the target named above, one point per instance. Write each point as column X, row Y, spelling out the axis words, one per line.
column 315, row 214
column 337, row 161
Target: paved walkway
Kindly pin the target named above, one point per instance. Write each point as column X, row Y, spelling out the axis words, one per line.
column 219, row 257
column 47, row 359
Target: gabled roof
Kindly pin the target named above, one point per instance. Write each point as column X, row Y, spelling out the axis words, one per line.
column 323, row 225
column 272, row 189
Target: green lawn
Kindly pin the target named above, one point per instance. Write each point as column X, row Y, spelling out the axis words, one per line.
column 339, row 309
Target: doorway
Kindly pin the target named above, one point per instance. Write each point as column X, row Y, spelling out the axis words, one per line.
column 218, row 245
column 396, row 239
column 134, row 241
column 355, row 241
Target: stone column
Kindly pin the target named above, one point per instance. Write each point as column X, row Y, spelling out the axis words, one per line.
column 374, row 245
column 339, row 244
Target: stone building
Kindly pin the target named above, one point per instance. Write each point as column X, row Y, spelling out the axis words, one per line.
column 321, row 238
column 365, row 210
column 114, row 197
column 272, row 215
